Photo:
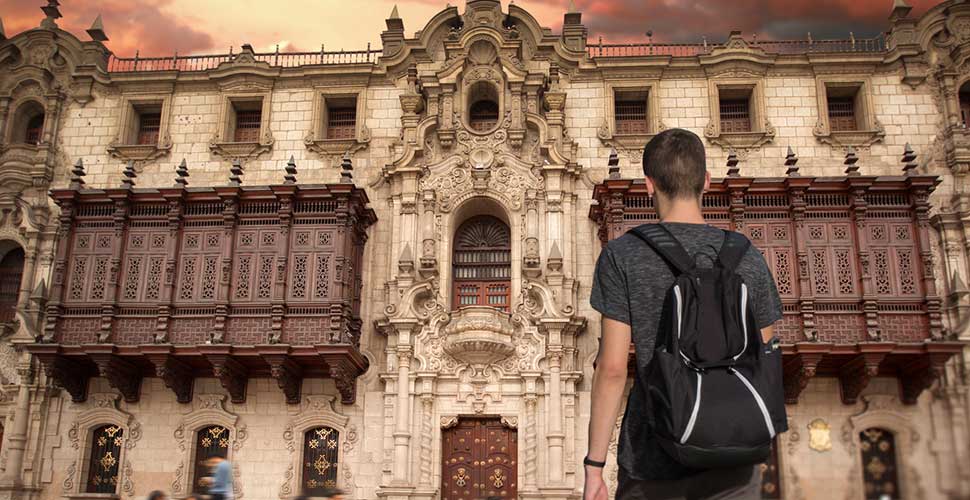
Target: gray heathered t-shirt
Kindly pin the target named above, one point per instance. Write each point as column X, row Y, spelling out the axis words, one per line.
column 629, row 285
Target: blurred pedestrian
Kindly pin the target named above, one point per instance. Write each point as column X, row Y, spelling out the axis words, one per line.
column 157, row 495
column 221, row 486
column 332, row 494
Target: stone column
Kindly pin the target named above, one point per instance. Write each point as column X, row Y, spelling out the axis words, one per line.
column 27, row 274
column 402, row 428
column 555, row 437
column 17, row 440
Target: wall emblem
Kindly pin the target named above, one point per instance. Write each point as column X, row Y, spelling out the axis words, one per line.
column 819, row 435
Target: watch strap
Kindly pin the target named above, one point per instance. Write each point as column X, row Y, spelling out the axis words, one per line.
column 593, row 463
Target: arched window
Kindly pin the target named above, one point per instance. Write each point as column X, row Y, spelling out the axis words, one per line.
column 11, row 272
column 28, row 124
column 964, row 96
column 482, row 263
column 320, row 459
column 104, row 464
column 211, row 441
column 879, row 470
column 483, row 107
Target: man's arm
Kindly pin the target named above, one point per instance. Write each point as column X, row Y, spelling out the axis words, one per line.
column 609, row 379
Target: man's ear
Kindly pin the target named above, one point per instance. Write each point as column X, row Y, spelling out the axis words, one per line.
column 707, row 181
column 650, row 187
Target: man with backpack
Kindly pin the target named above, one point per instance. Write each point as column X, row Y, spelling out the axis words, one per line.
column 698, row 304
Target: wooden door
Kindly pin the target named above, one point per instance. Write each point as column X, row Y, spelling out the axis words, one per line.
column 479, row 460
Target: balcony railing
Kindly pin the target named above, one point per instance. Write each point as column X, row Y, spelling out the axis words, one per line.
column 861, row 45
column 247, row 282
column 208, row 62
column 851, row 260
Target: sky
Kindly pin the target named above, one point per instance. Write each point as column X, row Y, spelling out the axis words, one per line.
column 163, row 27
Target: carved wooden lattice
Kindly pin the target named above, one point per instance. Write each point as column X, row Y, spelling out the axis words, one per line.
column 482, row 263
column 321, row 448
column 879, row 469
column 211, row 441
column 104, row 463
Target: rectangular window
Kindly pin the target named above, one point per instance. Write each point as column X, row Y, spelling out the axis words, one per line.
column 149, row 124
column 247, row 120
column 341, row 118
column 843, row 108
column 735, row 109
column 630, row 112
column 105, row 461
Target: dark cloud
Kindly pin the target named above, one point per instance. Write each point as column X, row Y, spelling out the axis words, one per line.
column 130, row 25
column 690, row 20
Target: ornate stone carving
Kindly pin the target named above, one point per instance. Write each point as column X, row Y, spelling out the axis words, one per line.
column 478, row 335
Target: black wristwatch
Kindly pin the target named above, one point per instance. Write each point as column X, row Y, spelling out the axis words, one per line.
column 593, row 463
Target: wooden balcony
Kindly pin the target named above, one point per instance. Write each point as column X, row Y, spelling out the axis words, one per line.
column 851, row 258
column 232, row 282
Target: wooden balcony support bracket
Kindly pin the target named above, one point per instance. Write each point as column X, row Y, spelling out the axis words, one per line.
column 344, row 368
column 68, row 374
column 123, row 375
column 855, row 375
column 922, row 372
column 800, row 367
column 288, row 373
column 176, row 374
column 233, row 376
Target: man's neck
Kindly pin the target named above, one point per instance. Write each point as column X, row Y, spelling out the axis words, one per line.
column 682, row 210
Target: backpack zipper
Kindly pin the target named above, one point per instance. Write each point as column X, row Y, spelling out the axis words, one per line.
column 693, row 413
column 757, row 399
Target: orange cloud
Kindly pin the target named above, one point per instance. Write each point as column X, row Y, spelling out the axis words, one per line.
column 131, row 25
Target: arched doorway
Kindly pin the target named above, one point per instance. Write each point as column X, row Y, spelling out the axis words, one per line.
column 11, row 273
column 482, row 263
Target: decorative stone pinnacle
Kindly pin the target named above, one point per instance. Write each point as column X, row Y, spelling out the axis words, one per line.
column 129, row 175
column 613, row 164
column 909, row 160
column 347, row 170
column 572, row 7
column 39, row 295
column 790, row 161
column 732, row 164
column 3, row 34
column 96, row 31
column 51, row 10
column 394, row 14
column 290, row 176
column 181, row 172
column 235, row 173
column 77, row 174
column 850, row 162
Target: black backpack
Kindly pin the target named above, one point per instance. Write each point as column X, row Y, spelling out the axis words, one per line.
column 714, row 387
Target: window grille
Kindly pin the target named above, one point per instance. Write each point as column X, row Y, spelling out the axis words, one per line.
column 735, row 115
column 879, row 468
column 484, row 115
column 35, row 130
column 630, row 115
column 247, row 126
column 211, row 441
column 482, row 263
column 321, row 448
column 104, row 464
column 341, row 122
column 148, row 127
column 11, row 270
column 842, row 114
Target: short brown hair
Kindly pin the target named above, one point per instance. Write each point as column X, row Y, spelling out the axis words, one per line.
column 675, row 161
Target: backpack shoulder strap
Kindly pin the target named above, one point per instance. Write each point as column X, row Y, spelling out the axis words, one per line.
column 732, row 250
column 663, row 242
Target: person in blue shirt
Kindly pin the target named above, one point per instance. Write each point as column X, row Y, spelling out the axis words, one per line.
column 220, row 485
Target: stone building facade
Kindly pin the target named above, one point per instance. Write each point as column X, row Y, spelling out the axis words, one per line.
column 372, row 268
